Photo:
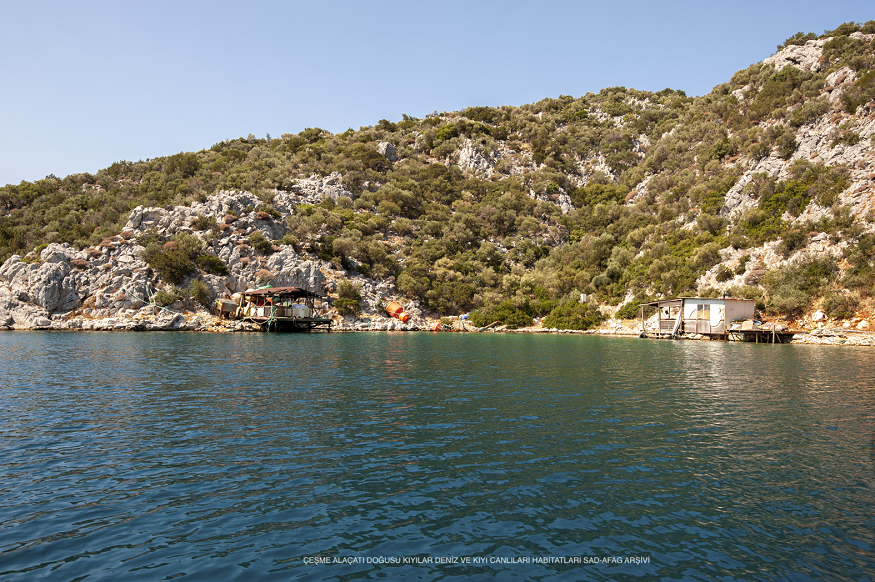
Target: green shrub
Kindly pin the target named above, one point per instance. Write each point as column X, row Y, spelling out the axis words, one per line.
column 860, row 93
column 593, row 194
column 574, row 315
column 174, row 263
column 840, row 306
column 259, row 242
column 445, row 133
column 861, row 279
column 164, row 298
column 786, row 143
column 793, row 240
column 348, row 306
column 630, row 310
column 204, row 222
column 724, row 273
column 212, row 264
column 346, row 290
column 269, row 209
column 810, row 275
column 788, row 300
column 504, row 312
column 799, row 38
column 290, row 240
column 200, row 292
column 349, row 301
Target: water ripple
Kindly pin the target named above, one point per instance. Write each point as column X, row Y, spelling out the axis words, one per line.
column 153, row 456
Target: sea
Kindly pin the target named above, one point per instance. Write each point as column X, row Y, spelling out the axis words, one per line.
column 433, row 456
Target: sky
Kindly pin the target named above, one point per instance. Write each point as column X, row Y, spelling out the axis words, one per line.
column 88, row 83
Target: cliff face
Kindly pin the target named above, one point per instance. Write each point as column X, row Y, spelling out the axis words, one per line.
column 765, row 188
column 111, row 287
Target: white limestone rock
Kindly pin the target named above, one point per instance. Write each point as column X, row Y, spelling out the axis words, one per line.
column 58, row 253
column 472, row 160
column 291, row 271
column 804, row 57
column 388, row 150
column 313, row 190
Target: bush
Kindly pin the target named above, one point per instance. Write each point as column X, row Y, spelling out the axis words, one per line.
column 177, row 261
column 212, row 265
column 630, row 310
column 164, row 298
column 724, row 273
column 593, row 194
column 348, row 307
column 349, row 301
column 860, row 93
column 574, row 315
column 200, row 292
column 839, row 306
column 799, row 38
column 794, row 239
column 291, row 240
column 259, row 242
column 792, row 286
column 504, row 312
column 203, row 222
column 788, row 300
column 445, row 133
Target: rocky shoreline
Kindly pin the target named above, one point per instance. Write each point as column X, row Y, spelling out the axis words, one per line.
column 205, row 322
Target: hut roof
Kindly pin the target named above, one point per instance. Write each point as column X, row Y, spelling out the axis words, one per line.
column 289, row 291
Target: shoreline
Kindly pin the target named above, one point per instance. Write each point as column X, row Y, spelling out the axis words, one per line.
column 202, row 322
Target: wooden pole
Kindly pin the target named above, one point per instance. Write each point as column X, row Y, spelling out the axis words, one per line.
column 643, row 331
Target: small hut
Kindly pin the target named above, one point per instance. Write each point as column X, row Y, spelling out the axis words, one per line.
column 698, row 315
column 282, row 309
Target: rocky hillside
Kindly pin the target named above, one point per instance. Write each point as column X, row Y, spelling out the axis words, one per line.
column 764, row 188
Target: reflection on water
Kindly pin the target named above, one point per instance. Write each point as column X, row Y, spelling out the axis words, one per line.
column 236, row 456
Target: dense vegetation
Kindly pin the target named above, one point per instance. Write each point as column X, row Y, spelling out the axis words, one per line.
column 646, row 173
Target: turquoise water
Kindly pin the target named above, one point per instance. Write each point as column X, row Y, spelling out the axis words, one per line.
column 433, row 457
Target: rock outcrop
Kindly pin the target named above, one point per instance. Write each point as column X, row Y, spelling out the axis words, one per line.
column 113, row 288
column 804, row 57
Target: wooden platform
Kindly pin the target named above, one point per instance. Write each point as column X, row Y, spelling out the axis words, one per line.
column 291, row 324
column 760, row 336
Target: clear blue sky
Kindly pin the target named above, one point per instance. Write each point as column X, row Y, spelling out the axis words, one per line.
column 87, row 83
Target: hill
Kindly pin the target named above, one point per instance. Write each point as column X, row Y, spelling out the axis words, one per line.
column 763, row 188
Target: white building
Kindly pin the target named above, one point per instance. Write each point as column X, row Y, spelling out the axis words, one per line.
column 689, row 315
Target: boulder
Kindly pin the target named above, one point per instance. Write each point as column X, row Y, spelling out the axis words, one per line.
column 23, row 315
column 388, row 150
column 60, row 253
column 167, row 321
column 50, row 287
column 469, row 158
column 143, row 218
